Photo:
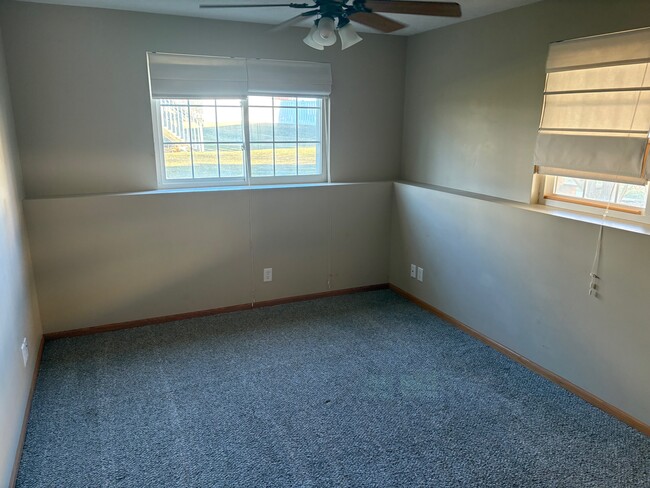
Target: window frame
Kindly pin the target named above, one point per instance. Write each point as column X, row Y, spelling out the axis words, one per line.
column 247, row 179
column 548, row 197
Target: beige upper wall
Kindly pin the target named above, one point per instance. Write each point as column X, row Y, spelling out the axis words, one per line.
column 82, row 111
column 474, row 92
column 18, row 313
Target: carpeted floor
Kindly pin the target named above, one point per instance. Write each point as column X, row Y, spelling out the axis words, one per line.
column 363, row 390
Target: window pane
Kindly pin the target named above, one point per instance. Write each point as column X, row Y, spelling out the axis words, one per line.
column 309, row 128
column 260, row 101
column 309, row 158
column 203, row 124
column 262, row 159
column 601, row 191
column 284, row 101
column 205, row 161
column 309, row 102
column 173, row 101
column 175, row 124
column 632, row 195
column 569, row 187
column 231, row 160
column 261, row 124
column 208, row 102
column 285, row 124
column 178, row 161
column 229, row 102
column 230, row 124
column 286, row 163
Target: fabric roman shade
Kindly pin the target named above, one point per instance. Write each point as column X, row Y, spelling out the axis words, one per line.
column 596, row 113
column 186, row 76
column 183, row 76
column 269, row 76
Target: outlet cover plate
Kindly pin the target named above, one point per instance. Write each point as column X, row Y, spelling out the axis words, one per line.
column 268, row 274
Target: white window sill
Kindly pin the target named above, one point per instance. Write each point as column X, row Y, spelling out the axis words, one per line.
column 610, row 222
column 278, row 186
column 210, row 189
column 198, row 189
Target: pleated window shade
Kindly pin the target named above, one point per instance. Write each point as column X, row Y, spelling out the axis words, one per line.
column 187, row 76
column 275, row 77
column 596, row 113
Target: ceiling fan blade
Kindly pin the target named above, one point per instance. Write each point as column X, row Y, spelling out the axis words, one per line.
column 245, row 5
column 292, row 21
column 438, row 9
column 376, row 21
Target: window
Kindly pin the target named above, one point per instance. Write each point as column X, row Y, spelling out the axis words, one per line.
column 234, row 121
column 201, row 140
column 593, row 140
column 257, row 139
column 619, row 197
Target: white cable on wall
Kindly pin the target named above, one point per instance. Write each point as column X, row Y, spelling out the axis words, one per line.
column 593, row 284
column 594, row 277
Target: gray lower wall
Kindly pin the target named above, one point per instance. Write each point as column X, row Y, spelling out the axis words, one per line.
column 473, row 101
column 18, row 312
column 115, row 258
column 521, row 278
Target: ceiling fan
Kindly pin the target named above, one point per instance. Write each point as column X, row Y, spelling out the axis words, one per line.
column 335, row 15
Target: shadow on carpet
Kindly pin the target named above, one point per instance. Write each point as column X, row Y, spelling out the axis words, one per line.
column 363, row 390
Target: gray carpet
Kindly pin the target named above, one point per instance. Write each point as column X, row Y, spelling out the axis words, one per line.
column 363, row 390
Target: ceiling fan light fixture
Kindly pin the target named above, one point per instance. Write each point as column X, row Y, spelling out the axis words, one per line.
column 309, row 39
column 333, row 15
column 325, row 33
column 349, row 36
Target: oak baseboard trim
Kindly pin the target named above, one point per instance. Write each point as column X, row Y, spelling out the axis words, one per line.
column 536, row 368
column 28, row 408
column 97, row 329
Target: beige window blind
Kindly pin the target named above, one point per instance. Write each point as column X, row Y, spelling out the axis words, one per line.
column 596, row 113
column 186, row 76
column 189, row 76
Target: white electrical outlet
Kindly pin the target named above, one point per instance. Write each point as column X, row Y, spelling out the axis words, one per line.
column 420, row 274
column 413, row 270
column 24, row 348
column 268, row 274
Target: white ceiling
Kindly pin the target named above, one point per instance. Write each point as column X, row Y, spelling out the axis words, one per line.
column 471, row 9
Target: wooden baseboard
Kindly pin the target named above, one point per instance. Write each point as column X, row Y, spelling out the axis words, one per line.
column 203, row 313
column 28, row 407
column 536, row 368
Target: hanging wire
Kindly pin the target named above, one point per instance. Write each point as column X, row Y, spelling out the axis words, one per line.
column 594, row 277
